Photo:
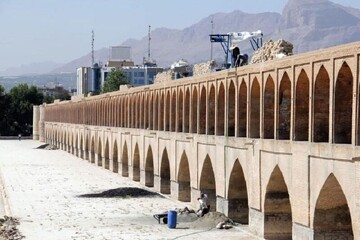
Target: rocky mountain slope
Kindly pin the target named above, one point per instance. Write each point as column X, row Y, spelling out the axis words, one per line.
column 308, row 24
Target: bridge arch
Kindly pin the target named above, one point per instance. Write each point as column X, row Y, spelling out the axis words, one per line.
column 321, row 106
column 343, row 105
column 277, row 208
column 115, row 164
column 332, row 215
column 284, row 109
column 220, row 115
column 269, row 111
column 149, row 168
column 238, row 195
column 180, row 111
column 167, row 111
column 156, row 112
column 162, row 112
column 184, row 179
column 86, row 155
column 302, row 107
column 242, row 110
column 99, row 153
column 136, row 164
column 165, row 173
column 187, row 111
column 81, row 147
column 202, row 109
column 232, row 109
column 92, row 149
column 211, row 111
column 125, row 161
column 107, row 155
column 194, row 111
column 255, row 109
column 207, row 182
column 173, row 112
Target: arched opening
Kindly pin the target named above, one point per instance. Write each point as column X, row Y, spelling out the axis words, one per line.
column 207, row 183
column 81, row 148
column 302, row 108
column 146, row 112
column 167, row 112
column 92, row 147
column 255, row 110
column 136, row 164
column 269, row 112
column 99, row 154
column 184, row 179
column 151, row 112
column 220, row 116
column 202, row 108
column 126, row 111
column 107, row 153
column 284, row 108
column 194, row 109
column 138, row 112
column 231, row 114
column 149, row 168
column 86, row 155
column 165, row 174
column 173, row 113
column 321, row 106
column 115, row 168
column 242, row 121
column 343, row 105
column 211, row 112
column 332, row 219
column 187, row 111
column 180, row 112
column 125, row 162
column 278, row 217
column 238, row 196
column 161, row 113
column 155, row 117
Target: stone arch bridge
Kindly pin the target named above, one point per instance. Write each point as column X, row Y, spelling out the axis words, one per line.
column 274, row 145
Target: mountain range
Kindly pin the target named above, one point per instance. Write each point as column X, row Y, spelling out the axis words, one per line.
column 308, row 24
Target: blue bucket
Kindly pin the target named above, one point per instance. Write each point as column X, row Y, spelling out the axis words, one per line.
column 172, row 216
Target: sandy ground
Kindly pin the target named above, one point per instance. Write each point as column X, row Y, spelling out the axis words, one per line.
column 41, row 188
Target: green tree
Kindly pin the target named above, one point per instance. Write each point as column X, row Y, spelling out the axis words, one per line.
column 22, row 99
column 4, row 113
column 62, row 96
column 113, row 81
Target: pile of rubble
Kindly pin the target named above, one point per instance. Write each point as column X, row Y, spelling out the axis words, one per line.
column 203, row 68
column 164, row 76
column 8, row 229
column 272, row 50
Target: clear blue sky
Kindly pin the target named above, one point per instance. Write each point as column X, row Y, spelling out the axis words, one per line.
column 60, row 30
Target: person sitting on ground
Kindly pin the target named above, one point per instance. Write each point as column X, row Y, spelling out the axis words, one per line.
column 204, row 206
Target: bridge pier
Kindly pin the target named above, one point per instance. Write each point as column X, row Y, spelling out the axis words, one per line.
column 301, row 232
column 256, row 222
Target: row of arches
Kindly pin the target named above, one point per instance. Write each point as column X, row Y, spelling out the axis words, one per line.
column 331, row 218
column 255, row 108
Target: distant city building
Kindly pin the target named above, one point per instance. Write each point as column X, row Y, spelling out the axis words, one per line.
column 91, row 79
column 136, row 75
column 82, row 78
column 52, row 89
column 120, row 53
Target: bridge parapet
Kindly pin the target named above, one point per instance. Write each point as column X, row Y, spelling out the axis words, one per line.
column 274, row 145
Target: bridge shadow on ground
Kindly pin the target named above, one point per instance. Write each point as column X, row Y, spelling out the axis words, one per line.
column 126, row 192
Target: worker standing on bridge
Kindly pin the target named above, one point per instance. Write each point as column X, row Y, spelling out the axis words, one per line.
column 235, row 54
